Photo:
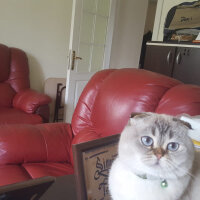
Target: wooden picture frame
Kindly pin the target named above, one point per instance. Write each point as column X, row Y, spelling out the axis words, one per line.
column 92, row 161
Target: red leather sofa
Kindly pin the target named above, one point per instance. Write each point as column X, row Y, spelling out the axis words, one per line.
column 31, row 151
column 18, row 103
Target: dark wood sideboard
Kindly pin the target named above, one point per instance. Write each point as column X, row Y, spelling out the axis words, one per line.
column 179, row 61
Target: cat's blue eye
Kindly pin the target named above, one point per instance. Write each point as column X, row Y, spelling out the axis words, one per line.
column 173, row 146
column 146, row 140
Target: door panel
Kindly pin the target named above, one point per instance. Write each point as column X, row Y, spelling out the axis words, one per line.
column 93, row 31
column 91, row 36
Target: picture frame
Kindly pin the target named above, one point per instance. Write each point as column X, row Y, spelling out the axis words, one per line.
column 92, row 162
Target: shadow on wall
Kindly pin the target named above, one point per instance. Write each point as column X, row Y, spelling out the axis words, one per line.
column 36, row 74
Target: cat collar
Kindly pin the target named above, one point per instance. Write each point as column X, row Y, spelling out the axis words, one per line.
column 163, row 183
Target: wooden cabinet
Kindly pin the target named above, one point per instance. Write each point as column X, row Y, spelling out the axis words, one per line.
column 160, row 59
column 179, row 62
column 187, row 65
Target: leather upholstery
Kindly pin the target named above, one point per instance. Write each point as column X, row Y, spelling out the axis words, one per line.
column 5, row 63
column 180, row 99
column 119, row 93
column 15, row 85
column 31, row 151
column 29, row 100
column 16, row 116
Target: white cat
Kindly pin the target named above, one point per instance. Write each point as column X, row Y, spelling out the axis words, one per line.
column 156, row 161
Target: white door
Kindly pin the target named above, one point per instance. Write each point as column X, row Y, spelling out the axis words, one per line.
column 90, row 45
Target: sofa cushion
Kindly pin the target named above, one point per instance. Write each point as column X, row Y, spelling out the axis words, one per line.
column 12, row 174
column 37, row 170
column 183, row 98
column 16, row 116
column 25, row 143
column 16, row 173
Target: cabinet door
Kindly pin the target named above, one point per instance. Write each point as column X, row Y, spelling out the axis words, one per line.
column 159, row 59
column 187, row 65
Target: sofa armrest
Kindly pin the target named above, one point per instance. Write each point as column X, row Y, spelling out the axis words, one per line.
column 29, row 100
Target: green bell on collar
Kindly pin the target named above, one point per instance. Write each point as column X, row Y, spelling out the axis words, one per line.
column 164, row 184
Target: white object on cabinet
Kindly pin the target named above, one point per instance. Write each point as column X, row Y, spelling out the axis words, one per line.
column 163, row 7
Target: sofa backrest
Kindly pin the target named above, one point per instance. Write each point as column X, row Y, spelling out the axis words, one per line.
column 14, row 73
column 112, row 95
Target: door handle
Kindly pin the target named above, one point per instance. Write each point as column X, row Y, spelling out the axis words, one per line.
column 178, row 58
column 74, row 57
column 169, row 57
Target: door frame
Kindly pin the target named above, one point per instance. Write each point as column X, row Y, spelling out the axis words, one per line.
column 157, row 20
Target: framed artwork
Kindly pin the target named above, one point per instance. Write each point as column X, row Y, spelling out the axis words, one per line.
column 92, row 162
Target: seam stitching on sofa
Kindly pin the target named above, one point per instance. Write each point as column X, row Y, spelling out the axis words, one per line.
column 47, row 153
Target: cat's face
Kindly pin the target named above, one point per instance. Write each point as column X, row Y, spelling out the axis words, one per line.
column 157, row 145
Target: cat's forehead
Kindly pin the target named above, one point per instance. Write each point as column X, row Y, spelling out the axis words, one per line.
column 163, row 126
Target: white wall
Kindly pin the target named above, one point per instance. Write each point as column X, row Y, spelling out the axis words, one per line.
column 128, row 33
column 40, row 28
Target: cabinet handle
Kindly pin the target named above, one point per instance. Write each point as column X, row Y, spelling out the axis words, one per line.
column 169, row 57
column 178, row 58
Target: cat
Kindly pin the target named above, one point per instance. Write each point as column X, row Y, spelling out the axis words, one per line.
column 156, row 161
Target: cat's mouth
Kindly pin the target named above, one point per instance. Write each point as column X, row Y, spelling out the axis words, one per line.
column 155, row 163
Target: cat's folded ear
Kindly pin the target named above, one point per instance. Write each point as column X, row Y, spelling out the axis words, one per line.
column 139, row 115
column 187, row 124
column 134, row 116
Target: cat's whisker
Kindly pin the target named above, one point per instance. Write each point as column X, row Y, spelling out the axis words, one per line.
column 170, row 169
column 180, row 168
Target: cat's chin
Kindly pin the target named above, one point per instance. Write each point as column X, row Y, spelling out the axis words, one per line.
column 155, row 172
column 158, row 170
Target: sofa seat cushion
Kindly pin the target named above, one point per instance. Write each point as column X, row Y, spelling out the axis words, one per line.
column 17, row 173
column 37, row 170
column 12, row 174
column 15, row 116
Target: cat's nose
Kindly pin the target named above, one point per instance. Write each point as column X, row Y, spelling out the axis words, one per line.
column 159, row 156
column 159, row 153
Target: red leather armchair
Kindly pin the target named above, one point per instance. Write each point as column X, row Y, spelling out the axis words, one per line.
column 28, row 151
column 18, row 103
